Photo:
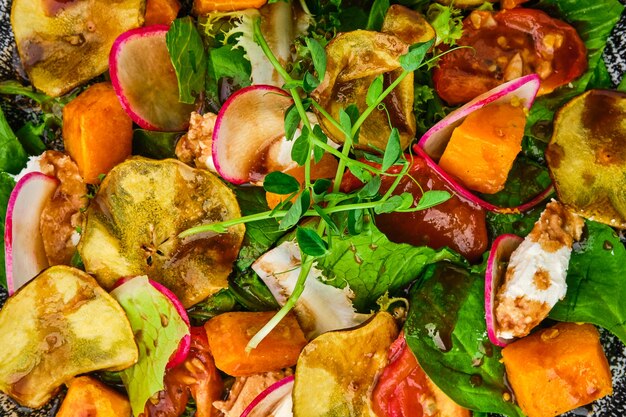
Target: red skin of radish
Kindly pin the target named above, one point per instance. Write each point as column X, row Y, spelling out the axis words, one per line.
column 271, row 395
column 462, row 191
column 35, row 251
column 181, row 353
column 139, row 112
column 226, row 159
column 501, row 251
column 144, row 31
column 433, row 143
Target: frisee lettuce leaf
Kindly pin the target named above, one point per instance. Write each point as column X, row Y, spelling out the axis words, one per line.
column 188, row 57
column 595, row 282
column 446, row 331
column 372, row 265
column 158, row 330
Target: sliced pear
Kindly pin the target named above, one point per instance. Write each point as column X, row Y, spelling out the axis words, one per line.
column 64, row 43
column 132, row 228
column 335, row 373
column 587, row 156
column 51, row 331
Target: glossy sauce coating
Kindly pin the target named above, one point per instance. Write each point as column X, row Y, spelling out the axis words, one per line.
column 457, row 223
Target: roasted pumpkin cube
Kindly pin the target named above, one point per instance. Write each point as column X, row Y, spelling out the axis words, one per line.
column 557, row 369
column 88, row 397
column 483, row 148
column 201, row 7
column 161, row 12
column 230, row 333
column 97, row 132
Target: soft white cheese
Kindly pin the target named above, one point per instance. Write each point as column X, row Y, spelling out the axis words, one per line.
column 530, row 258
column 321, row 308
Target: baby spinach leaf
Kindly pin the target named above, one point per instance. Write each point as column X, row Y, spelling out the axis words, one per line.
column 446, row 331
column 188, row 57
column 377, row 14
column 12, row 154
column 371, row 264
column 595, row 282
column 158, row 330
column 261, row 234
column 6, row 186
column 156, row 145
column 251, row 292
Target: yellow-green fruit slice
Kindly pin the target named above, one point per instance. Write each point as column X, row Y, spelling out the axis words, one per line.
column 52, row 330
column 64, row 43
column 587, row 156
column 336, row 372
column 132, row 228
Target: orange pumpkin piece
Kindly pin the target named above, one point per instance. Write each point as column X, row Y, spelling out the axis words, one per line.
column 229, row 334
column 161, row 12
column 483, row 148
column 201, row 7
column 88, row 397
column 97, row 132
column 557, row 369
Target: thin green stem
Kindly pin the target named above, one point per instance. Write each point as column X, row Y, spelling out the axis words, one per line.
column 307, row 263
column 370, row 109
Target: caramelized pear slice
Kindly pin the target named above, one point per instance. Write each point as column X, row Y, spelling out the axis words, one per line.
column 51, row 331
column 132, row 228
column 64, row 43
column 340, row 368
column 587, row 156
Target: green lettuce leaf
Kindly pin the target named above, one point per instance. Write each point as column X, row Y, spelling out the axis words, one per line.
column 372, row 265
column 189, row 58
column 158, row 329
column 595, row 282
column 13, row 157
column 446, row 331
column 6, row 186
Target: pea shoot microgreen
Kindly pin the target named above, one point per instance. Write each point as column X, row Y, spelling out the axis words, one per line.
column 339, row 212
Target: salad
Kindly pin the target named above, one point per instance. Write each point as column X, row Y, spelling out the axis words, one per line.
column 312, row 208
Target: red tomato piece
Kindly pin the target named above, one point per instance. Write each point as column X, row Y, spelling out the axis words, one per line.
column 458, row 223
column 404, row 389
column 196, row 376
column 507, row 45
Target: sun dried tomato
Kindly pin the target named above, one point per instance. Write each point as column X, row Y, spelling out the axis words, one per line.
column 506, row 45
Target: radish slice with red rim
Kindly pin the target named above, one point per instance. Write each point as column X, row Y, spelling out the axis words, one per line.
column 499, row 256
column 432, row 145
column 523, row 89
column 25, row 256
column 248, row 126
column 182, row 352
column 144, row 80
column 274, row 400
column 464, row 192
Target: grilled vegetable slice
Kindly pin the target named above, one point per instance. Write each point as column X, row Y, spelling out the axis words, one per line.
column 62, row 44
column 53, row 327
column 340, row 368
column 132, row 228
column 587, row 156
